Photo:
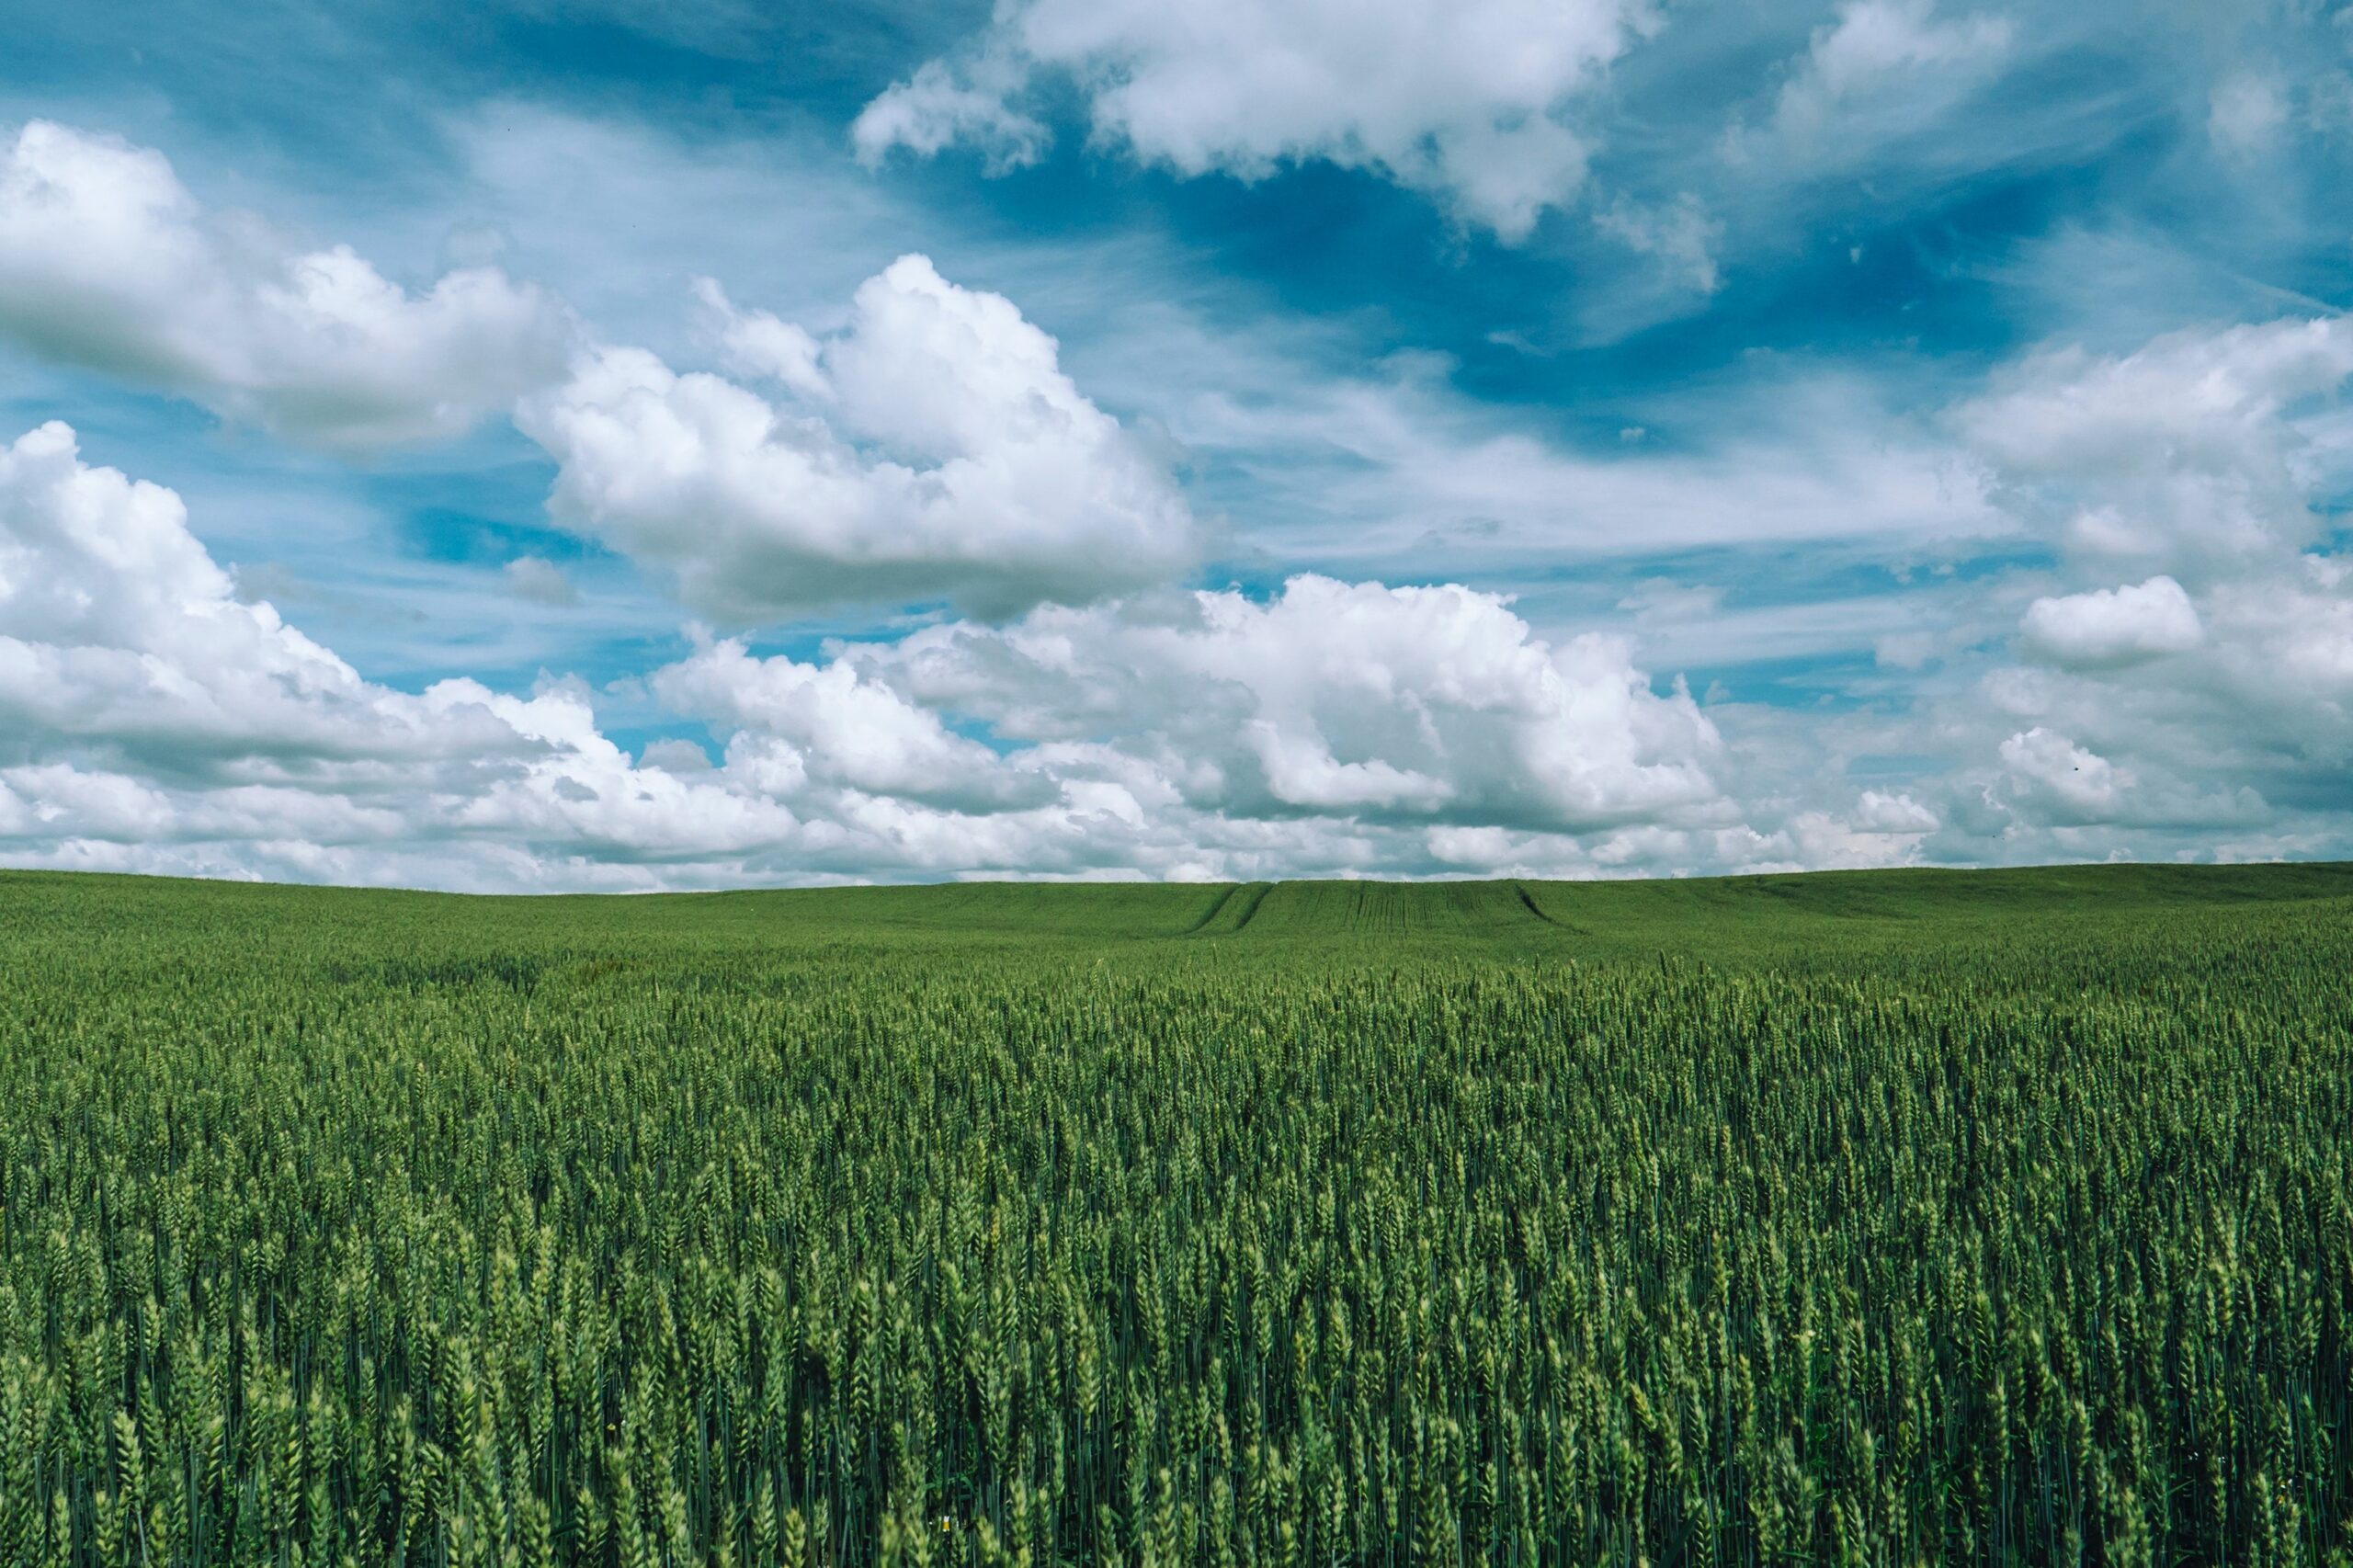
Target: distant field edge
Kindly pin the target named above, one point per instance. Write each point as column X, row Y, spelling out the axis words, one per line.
column 2266, row 879
column 1556, row 913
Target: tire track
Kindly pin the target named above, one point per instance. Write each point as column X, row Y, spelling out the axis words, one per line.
column 1211, row 912
column 1258, row 897
column 1529, row 900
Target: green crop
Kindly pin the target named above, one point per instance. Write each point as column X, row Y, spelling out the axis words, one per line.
column 1889, row 1218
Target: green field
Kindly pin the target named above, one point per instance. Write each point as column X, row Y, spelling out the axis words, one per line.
column 1873, row 1217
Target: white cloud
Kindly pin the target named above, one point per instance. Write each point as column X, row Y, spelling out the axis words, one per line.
column 2198, row 453
column 2245, row 113
column 933, row 449
column 1395, row 704
column 938, row 108
column 1196, row 734
column 764, row 347
column 1876, row 830
column 1663, row 601
column 2112, row 626
column 846, row 730
column 149, row 719
column 1877, row 810
column 540, row 580
column 1466, row 100
column 1907, row 650
column 108, row 261
column 1321, row 730
column 1883, row 66
column 1680, row 234
column 1879, row 829
column 2203, row 703
column 674, row 755
column 2202, row 708
column 117, row 629
column 1885, row 86
column 1366, row 471
column 2293, row 636
column 2052, row 777
column 153, row 722
column 2212, row 454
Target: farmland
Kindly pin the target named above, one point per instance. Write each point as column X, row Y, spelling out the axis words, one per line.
column 1874, row 1218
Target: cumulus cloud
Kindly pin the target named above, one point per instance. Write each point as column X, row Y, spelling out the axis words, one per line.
column 2201, row 705
column 2197, row 452
column 540, row 580
column 2183, row 648
column 1468, row 101
column 674, row 755
column 150, row 720
column 1877, row 829
column 847, row 729
column 1397, row 704
column 118, row 630
column 108, row 261
column 1881, row 828
column 934, row 448
column 2112, row 626
column 1878, row 811
column 2292, row 635
column 762, row 346
column 2051, row 775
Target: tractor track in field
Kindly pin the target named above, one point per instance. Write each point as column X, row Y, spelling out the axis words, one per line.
column 1258, row 895
column 1198, row 927
column 1528, row 901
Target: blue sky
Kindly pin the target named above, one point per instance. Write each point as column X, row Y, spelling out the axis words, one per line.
column 578, row 443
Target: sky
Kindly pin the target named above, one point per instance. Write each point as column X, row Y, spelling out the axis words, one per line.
column 547, row 445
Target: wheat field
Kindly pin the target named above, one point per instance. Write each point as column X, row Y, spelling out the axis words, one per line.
column 1885, row 1219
